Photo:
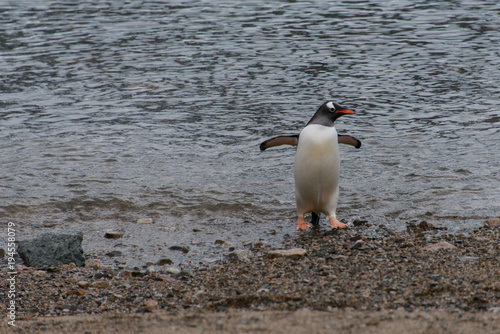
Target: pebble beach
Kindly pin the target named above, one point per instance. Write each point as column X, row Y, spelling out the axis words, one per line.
column 323, row 273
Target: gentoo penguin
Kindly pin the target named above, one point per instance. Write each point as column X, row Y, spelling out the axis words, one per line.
column 317, row 164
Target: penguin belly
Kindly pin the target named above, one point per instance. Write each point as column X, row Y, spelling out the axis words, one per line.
column 317, row 170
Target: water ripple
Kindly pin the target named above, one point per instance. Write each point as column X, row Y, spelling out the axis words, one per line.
column 116, row 110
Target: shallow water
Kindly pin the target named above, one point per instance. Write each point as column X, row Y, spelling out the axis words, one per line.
column 111, row 112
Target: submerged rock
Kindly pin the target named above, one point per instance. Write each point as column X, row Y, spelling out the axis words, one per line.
column 53, row 248
column 240, row 255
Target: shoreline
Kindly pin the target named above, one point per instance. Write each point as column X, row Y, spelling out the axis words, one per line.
column 419, row 271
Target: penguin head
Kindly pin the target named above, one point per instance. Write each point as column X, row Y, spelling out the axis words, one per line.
column 327, row 113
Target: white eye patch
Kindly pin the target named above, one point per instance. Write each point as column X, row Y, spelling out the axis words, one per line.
column 330, row 106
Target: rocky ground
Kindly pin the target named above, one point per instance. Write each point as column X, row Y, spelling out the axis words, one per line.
column 422, row 273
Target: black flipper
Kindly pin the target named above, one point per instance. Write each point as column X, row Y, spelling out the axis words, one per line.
column 294, row 139
column 280, row 140
column 349, row 140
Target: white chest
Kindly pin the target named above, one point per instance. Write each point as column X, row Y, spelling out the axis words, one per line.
column 317, row 141
column 317, row 158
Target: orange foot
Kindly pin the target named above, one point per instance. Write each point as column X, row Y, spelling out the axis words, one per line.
column 302, row 226
column 335, row 223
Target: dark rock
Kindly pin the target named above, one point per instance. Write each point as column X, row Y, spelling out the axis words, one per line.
column 138, row 274
column 359, row 222
column 165, row 261
column 113, row 235
column 143, row 310
column 184, row 249
column 52, row 248
column 2, row 252
column 356, row 238
column 114, row 253
column 103, row 275
column 399, row 240
column 425, row 226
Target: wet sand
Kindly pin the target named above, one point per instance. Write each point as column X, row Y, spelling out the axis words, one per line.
column 290, row 322
column 345, row 281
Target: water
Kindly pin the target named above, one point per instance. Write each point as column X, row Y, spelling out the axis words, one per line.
column 114, row 111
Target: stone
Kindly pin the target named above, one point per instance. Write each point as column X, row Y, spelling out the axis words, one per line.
column 166, row 278
column 163, row 262
column 184, row 249
column 101, row 284
column 114, row 253
column 493, row 222
column 83, row 284
column 107, row 268
column 150, row 303
column 359, row 222
column 2, row 253
column 53, row 248
column 145, row 221
column 356, row 245
column 125, row 274
column 40, row 273
column 437, row 246
column 173, row 270
column 425, row 226
column 240, row 255
column 293, row 253
column 226, row 245
column 78, row 292
column 113, row 235
column 94, row 264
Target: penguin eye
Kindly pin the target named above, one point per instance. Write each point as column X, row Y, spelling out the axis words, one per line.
column 331, row 106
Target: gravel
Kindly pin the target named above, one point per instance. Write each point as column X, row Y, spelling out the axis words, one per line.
column 341, row 270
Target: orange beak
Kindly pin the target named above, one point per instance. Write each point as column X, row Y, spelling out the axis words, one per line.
column 345, row 111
